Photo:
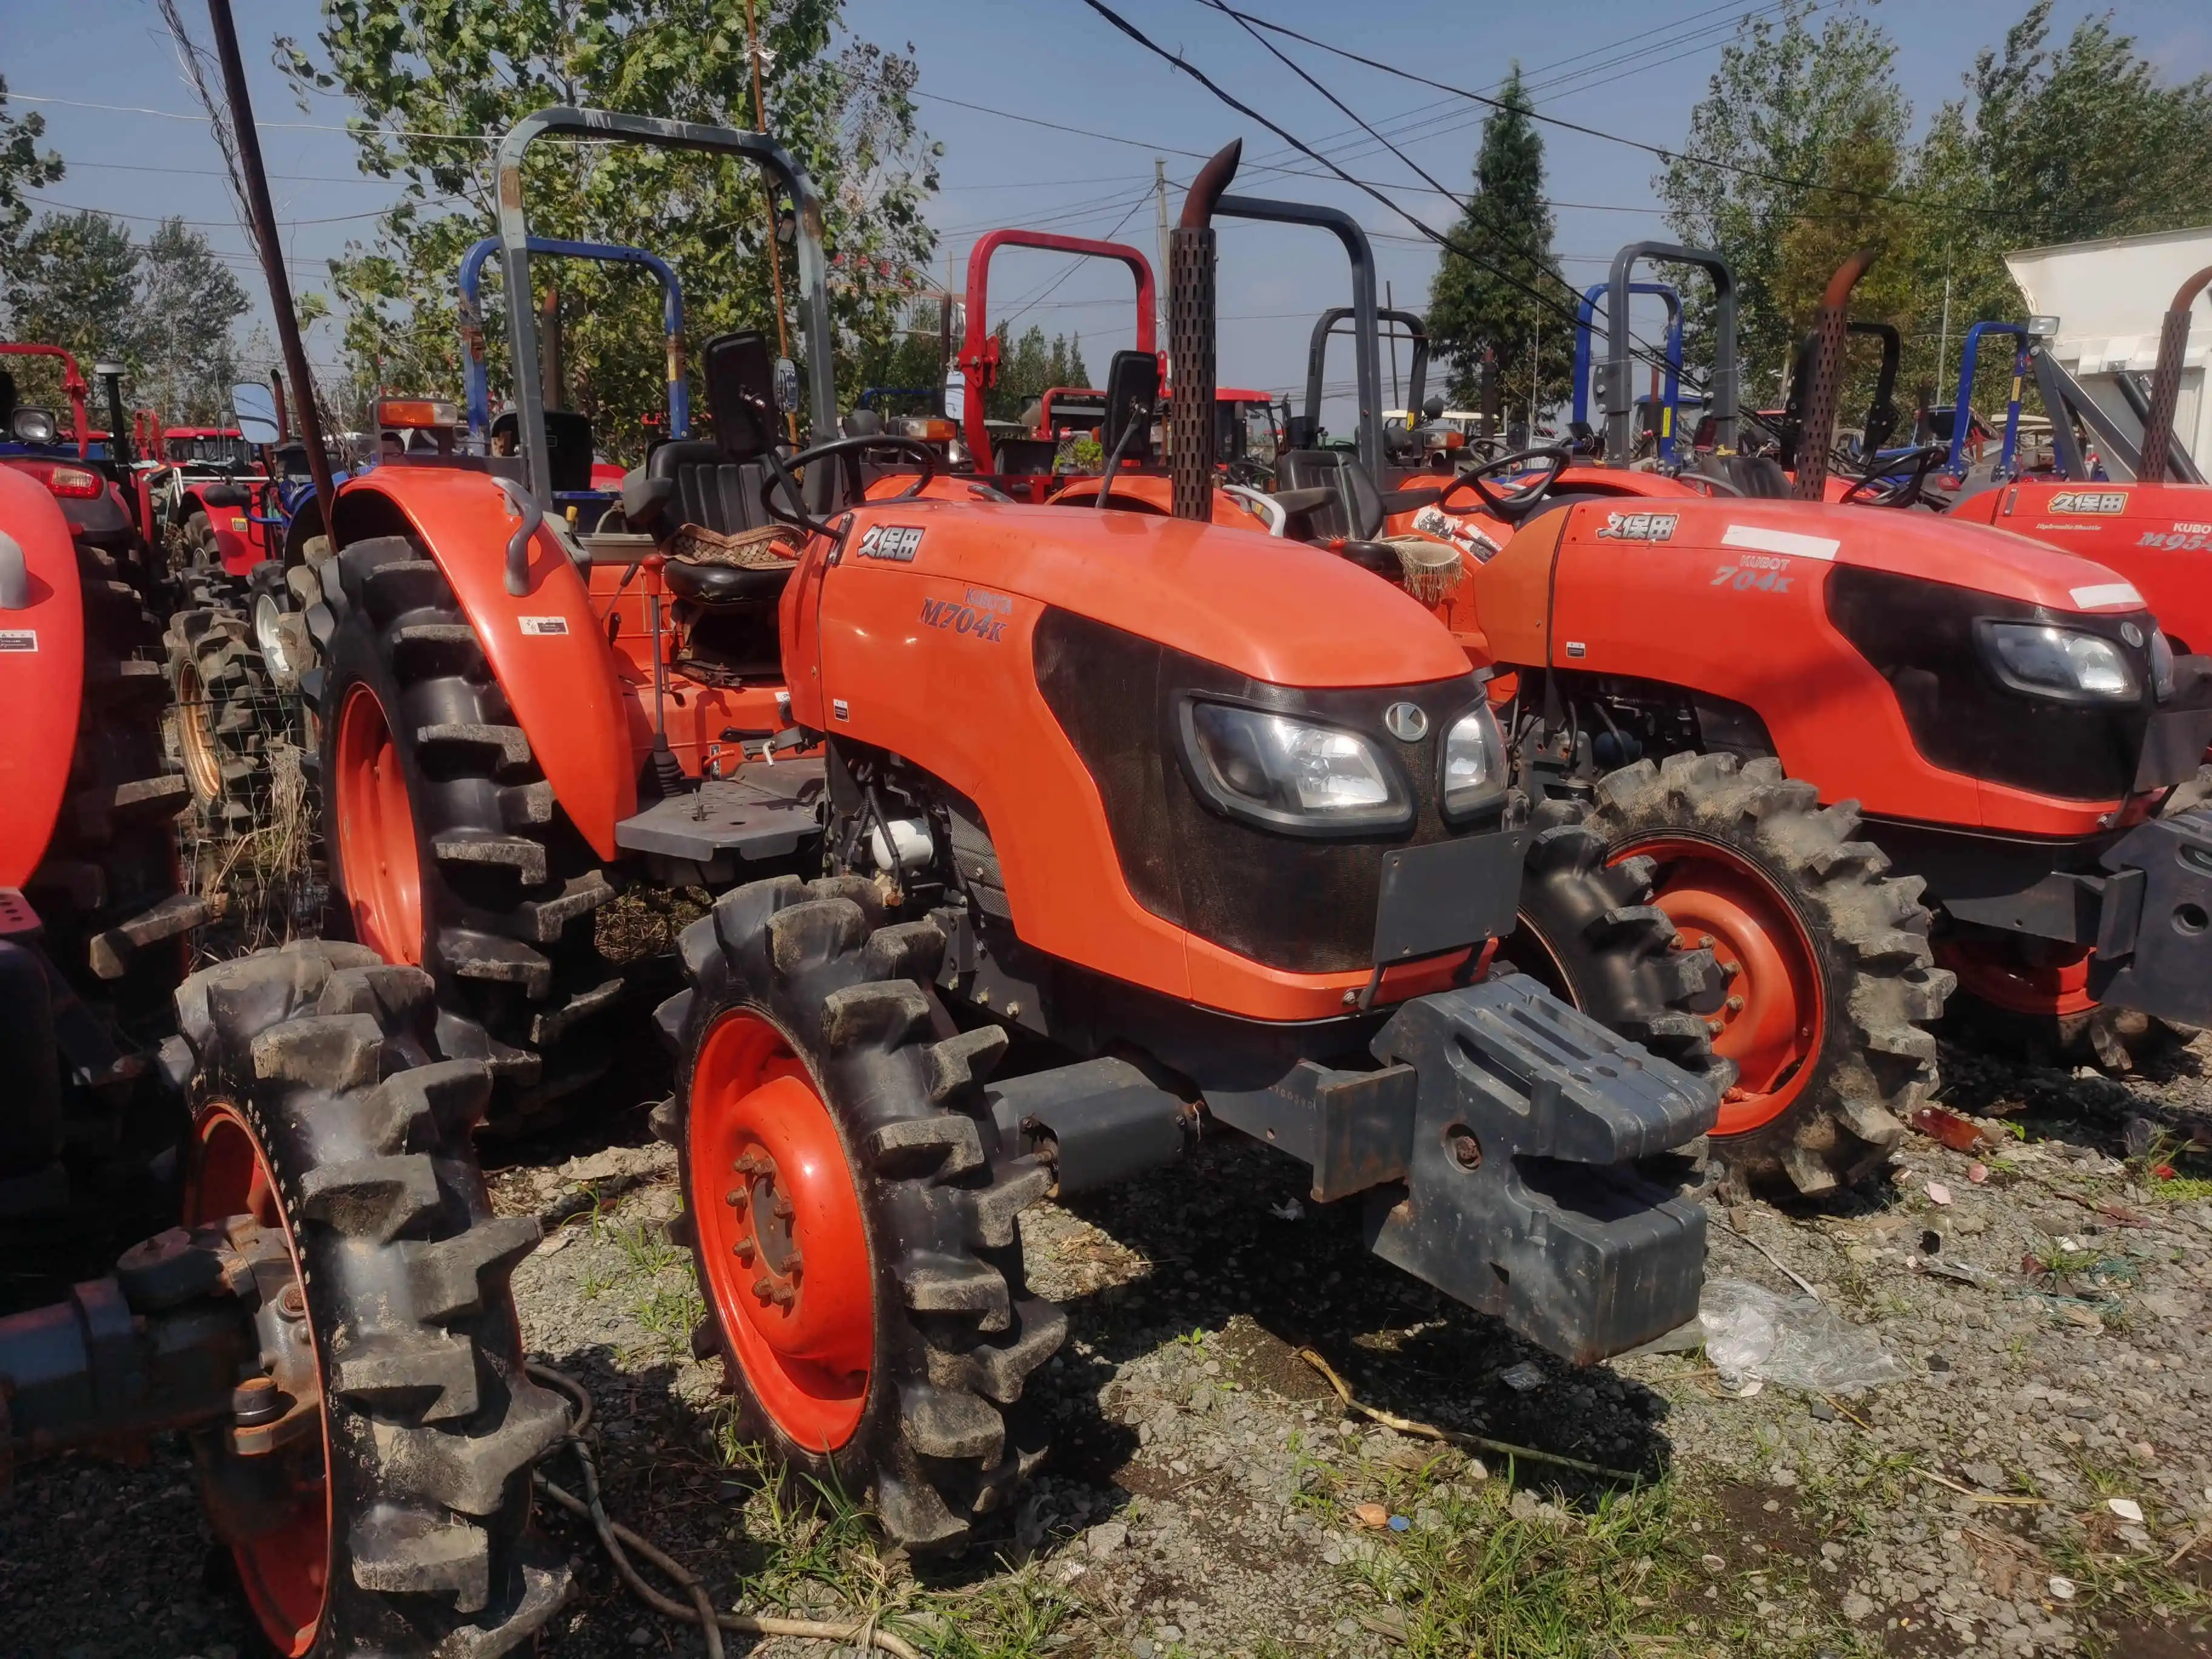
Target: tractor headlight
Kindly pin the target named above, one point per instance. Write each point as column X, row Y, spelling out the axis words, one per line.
column 1291, row 774
column 2161, row 665
column 1472, row 777
column 2064, row 663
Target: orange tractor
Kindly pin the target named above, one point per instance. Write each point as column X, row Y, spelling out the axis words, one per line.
column 1905, row 705
column 1236, row 847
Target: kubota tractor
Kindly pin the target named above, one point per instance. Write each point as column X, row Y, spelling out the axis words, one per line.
column 1235, row 839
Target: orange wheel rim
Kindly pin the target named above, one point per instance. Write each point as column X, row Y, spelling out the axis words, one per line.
column 783, row 1249
column 202, row 755
column 285, row 1565
column 376, row 832
column 1768, row 1014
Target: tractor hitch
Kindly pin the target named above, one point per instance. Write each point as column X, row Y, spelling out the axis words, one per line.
column 1533, row 1186
column 2154, row 930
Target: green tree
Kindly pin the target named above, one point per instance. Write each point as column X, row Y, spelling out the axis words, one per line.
column 473, row 68
column 1472, row 310
column 1029, row 367
column 2050, row 146
column 1818, row 126
column 187, row 302
column 75, row 284
column 23, row 166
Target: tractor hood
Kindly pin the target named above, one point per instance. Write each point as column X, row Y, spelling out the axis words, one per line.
column 1902, row 543
column 1277, row 611
column 41, row 668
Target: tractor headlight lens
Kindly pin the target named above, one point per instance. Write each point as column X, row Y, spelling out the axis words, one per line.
column 2161, row 665
column 1474, row 776
column 1289, row 773
column 2058, row 662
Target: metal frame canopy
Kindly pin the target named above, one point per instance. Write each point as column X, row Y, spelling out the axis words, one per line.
column 476, row 372
column 1670, row 387
column 1417, row 373
column 1620, row 349
column 1366, row 331
column 514, row 245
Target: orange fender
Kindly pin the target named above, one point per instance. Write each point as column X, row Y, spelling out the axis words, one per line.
column 546, row 648
column 41, row 675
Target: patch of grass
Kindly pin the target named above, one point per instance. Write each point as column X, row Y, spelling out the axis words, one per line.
column 2180, row 1189
column 1012, row 1617
column 1626, row 1574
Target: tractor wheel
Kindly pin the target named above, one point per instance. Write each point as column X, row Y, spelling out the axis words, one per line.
column 1826, row 978
column 852, row 1210
column 445, row 838
column 375, row 1490
column 1589, row 933
column 227, row 717
column 106, row 892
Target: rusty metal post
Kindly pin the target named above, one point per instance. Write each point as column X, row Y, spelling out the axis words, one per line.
column 1831, row 330
column 1191, row 251
column 272, row 255
column 2165, row 380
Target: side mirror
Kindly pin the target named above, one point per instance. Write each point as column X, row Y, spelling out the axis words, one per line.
column 1132, row 393
column 255, row 407
column 787, row 386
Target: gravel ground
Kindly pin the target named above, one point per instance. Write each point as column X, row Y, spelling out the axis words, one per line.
column 1211, row 1494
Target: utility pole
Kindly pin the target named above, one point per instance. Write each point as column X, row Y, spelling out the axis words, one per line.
column 1160, row 202
column 1390, row 303
column 273, row 257
column 774, row 255
column 1535, row 373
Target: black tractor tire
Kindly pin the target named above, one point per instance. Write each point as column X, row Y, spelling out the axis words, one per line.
column 329, row 1058
column 227, row 717
column 1876, row 982
column 508, row 886
column 955, row 1335
column 107, row 893
column 1588, row 931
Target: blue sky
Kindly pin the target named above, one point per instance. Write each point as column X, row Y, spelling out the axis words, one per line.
column 1633, row 70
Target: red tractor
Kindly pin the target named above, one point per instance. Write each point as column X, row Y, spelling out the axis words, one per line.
column 1906, row 704
column 1237, row 845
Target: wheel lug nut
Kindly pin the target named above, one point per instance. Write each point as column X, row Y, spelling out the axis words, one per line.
column 793, row 1264
column 1731, row 969
column 738, row 1197
column 1714, row 1026
column 742, row 1250
column 1735, row 1005
column 781, row 1206
column 764, row 1288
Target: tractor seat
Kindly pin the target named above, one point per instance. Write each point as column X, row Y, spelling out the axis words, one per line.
column 1328, row 494
column 726, row 584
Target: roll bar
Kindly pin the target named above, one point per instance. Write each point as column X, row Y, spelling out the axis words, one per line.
column 474, row 370
column 1619, row 395
column 73, row 386
column 1962, row 407
column 979, row 351
column 1317, row 355
column 1671, row 387
column 1364, row 327
column 514, row 245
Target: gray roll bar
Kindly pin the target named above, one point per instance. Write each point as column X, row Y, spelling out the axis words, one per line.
column 1621, row 393
column 514, row 255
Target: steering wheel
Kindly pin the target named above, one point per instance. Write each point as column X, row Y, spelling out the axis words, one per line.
column 780, row 469
column 1885, row 489
column 1516, row 504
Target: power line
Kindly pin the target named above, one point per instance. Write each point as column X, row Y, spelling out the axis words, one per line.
column 1658, row 150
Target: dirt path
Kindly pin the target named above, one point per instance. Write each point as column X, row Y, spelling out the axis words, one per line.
column 1206, row 1494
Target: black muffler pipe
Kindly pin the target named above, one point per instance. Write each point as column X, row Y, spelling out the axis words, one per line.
column 1830, row 329
column 1190, row 339
column 2166, row 380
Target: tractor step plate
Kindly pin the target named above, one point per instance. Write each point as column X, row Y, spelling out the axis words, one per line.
column 762, row 813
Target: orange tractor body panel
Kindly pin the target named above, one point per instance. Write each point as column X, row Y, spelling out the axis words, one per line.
column 931, row 654
column 2159, row 536
column 547, row 648
column 1583, row 595
column 41, row 676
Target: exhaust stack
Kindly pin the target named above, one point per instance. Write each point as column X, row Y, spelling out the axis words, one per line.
column 1830, row 328
column 1191, row 338
column 2166, row 382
